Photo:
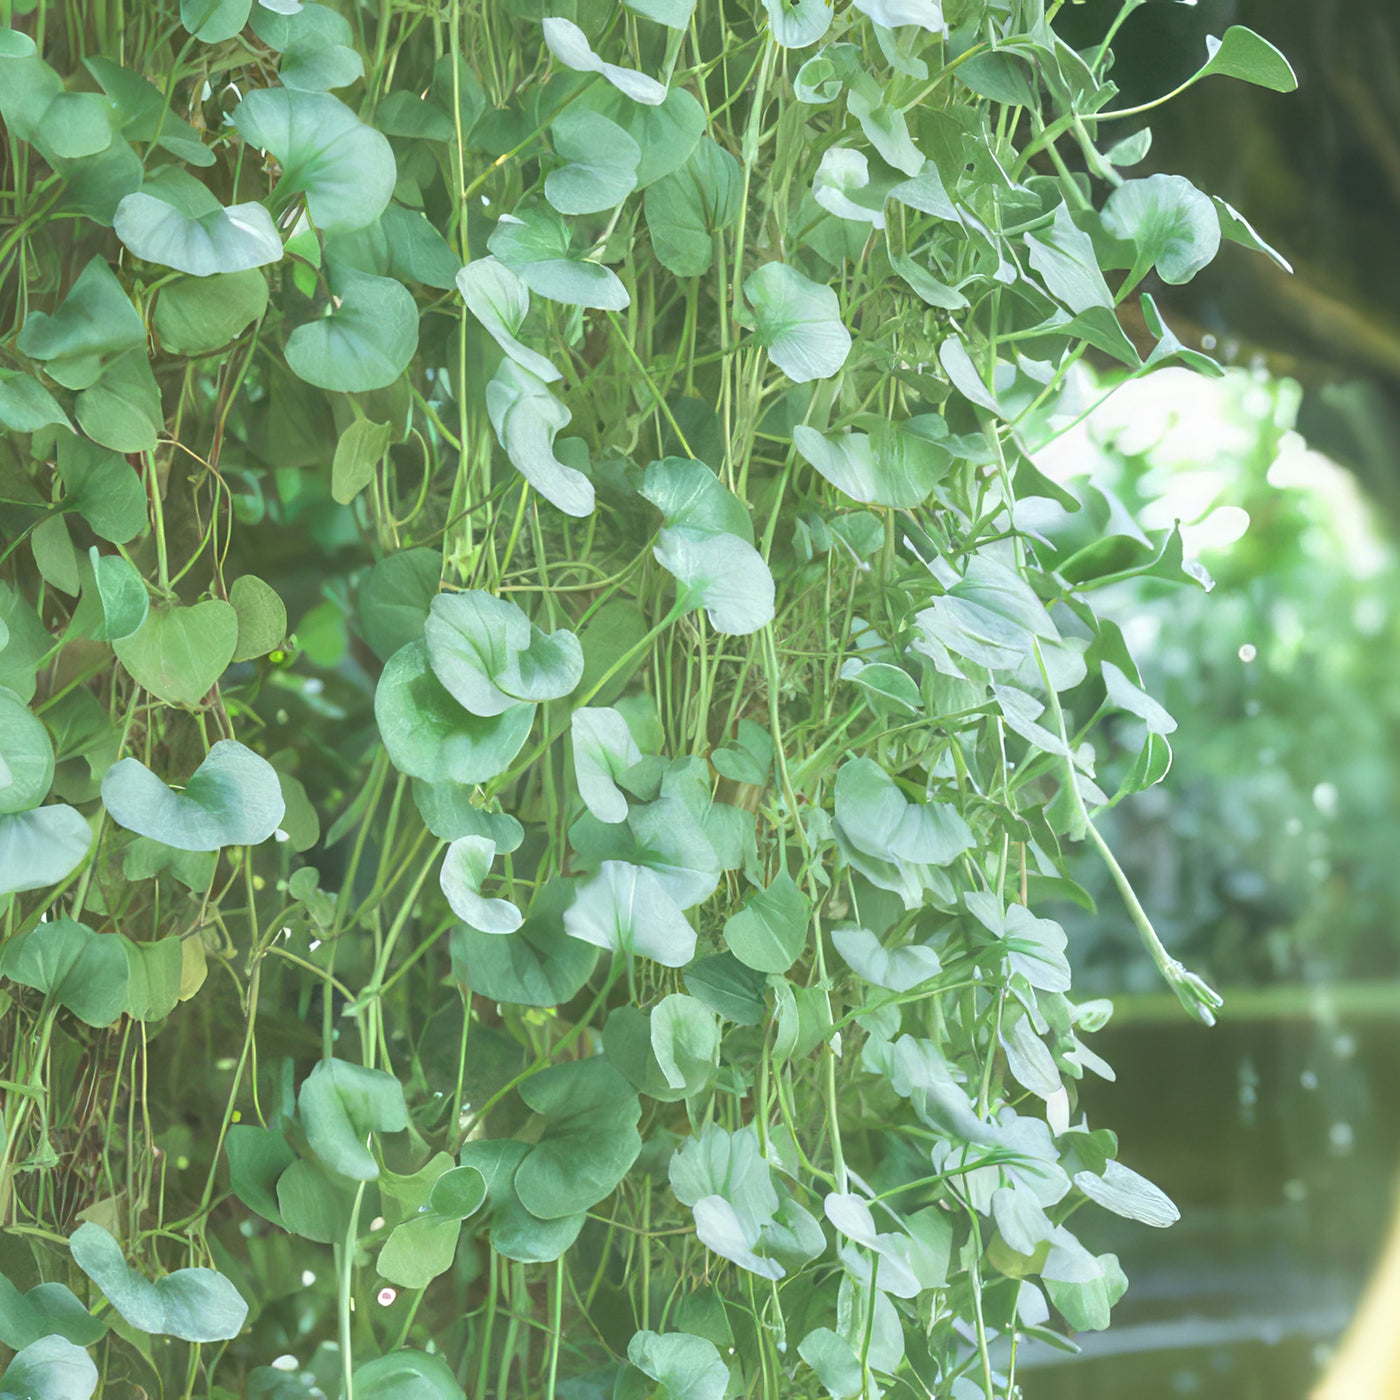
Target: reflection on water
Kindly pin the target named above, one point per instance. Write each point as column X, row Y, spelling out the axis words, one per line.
column 1280, row 1141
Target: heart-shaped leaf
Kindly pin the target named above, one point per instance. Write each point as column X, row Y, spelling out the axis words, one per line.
column 568, row 43
column 46, row 1310
column 796, row 320
column 340, row 1104
column 604, row 750
column 526, row 418
column 180, row 653
column 316, row 44
column 195, row 315
column 539, row 965
column 601, row 168
column 627, row 908
column 395, row 596
column 898, row 465
column 262, row 617
column 534, row 243
column 93, row 324
column 175, row 221
column 232, row 799
column 685, row 1036
column 796, row 24
column 214, row 21
column 770, row 931
column 688, row 207
column 490, row 656
column 665, row 135
column 51, row 1368
column 686, row 1367
column 429, row 735
column 197, row 1305
column 26, row 406
column 344, row 168
column 41, row 847
column 589, row 1140
column 1173, row 226
column 464, row 867
column 406, row 1375
column 895, row 969
column 366, row 339
column 85, row 971
column 1245, row 55
column 104, row 489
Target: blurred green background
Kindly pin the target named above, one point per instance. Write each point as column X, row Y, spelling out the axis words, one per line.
column 1268, row 858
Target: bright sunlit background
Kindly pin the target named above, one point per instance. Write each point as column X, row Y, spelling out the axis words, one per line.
column 1266, row 859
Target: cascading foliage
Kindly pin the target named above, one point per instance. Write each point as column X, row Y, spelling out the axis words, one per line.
column 599, row 947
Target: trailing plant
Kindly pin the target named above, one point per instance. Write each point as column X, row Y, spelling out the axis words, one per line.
column 597, row 947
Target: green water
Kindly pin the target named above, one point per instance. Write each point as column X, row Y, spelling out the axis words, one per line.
column 1280, row 1141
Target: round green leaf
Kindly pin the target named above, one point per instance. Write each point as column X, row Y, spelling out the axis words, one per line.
column 627, row 908
column 797, row 321
column 180, row 653
column 122, row 410
column 345, row 169
column 316, row 44
column 1171, row 223
column 797, row 23
column 232, row 799
column 364, row 342
column 174, row 220
column 538, row 965
column 26, row 756
column 197, row 1305
column 45, row 1310
column 665, row 135
column 85, row 971
column 340, row 1104
column 686, row 1367
column 769, row 933
column 406, row 1375
column 604, row 749
column 685, row 1036
column 51, row 1368
column 601, row 169
column 26, row 406
column 41, row 847
column 589, row 1140
column 196, row 314
column 429, row 735
column 534, row 243
column 895, row 969
column 464, row 867
column 686, row 208
column 896, row 466
column 489, row 656
column 214, row 21
column 262, row 617
column 722, row 574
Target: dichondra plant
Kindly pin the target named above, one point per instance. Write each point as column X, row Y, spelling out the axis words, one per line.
column 545, row 703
